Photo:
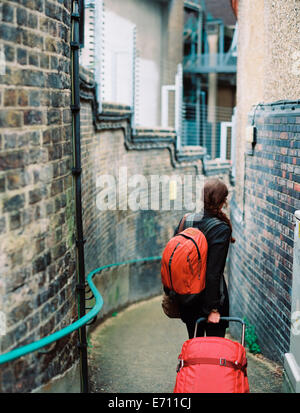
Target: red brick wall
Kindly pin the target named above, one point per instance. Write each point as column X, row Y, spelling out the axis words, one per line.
column 261, row 260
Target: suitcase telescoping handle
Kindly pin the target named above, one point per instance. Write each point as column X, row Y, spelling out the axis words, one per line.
column 239, row 320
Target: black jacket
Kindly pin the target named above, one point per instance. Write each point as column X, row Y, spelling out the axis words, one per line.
column 218, row 240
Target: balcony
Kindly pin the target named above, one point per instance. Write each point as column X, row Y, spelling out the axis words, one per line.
column 210, row 63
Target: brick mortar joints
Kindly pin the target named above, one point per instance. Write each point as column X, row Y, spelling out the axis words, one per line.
column 38, row 29
column 88, row 93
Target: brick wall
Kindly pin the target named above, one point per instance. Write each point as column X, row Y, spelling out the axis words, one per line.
column 261, row 260
column 117, row 235
column 120, row 235
column 36, row 200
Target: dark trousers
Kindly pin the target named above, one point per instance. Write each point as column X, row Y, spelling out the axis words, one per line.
column 211, row 329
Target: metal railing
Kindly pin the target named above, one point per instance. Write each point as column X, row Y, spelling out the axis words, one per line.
column 45, row 341
column 210, row 63
column 209, row 127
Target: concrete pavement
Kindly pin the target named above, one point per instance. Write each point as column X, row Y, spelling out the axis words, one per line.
column 136, row 352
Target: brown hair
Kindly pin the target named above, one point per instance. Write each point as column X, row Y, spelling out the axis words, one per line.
column 215, row 194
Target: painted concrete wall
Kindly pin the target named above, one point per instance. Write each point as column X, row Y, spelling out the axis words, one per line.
column 137, row 47
column 120, row 19
column 250, row 76
column 268, row 62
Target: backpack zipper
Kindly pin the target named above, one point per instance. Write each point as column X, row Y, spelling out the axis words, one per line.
column 190, row 264
column 191, row 267
column 199, row 256
column 170, row 261
column 186, row 236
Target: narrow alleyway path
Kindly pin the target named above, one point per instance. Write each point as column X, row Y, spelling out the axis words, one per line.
column 136, row 352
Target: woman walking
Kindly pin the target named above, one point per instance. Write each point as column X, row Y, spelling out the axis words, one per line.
column 213, row 301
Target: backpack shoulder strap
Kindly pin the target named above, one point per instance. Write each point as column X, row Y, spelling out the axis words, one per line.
column 210, row 224
column 182, row 223
column 189, row 220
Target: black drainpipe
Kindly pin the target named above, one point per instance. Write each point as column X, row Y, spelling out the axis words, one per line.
column 76, row 42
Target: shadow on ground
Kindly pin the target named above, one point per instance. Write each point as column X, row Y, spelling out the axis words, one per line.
column 136, row 352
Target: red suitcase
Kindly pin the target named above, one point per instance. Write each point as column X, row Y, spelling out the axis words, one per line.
column 212, row 364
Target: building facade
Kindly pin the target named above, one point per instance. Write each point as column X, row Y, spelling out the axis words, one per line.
column 134, row 47
column 209, row 75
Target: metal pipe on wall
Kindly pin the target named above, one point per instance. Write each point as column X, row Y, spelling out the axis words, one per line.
column 76, row 34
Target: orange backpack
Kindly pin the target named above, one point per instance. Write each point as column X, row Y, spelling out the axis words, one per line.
column 183, row 265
